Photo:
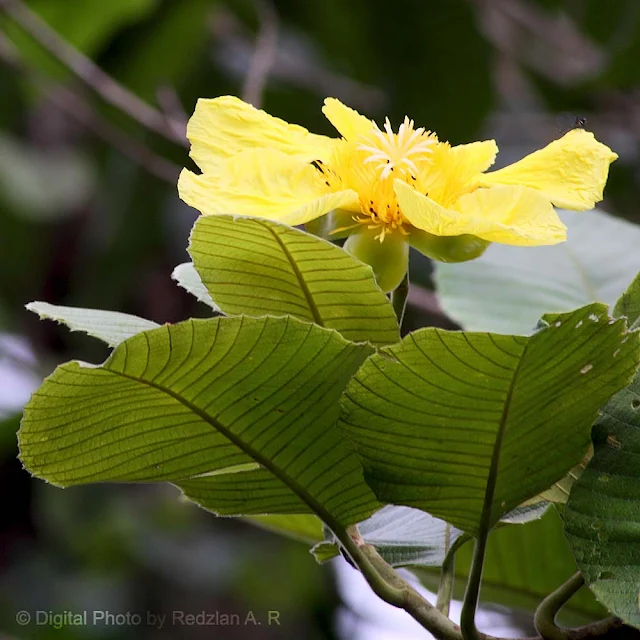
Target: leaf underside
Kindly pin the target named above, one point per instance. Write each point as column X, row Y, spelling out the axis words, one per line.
column 111, row 327
column 238, row 412
column 257, row 267
column 427, row 416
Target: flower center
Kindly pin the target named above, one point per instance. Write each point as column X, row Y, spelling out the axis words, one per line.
column 370, row 164
column 401, row 152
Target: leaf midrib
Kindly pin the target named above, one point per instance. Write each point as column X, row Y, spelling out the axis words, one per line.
column 307, row 498
column 492, row 478
column 317, row 318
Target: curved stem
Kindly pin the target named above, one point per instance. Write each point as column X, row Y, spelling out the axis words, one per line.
column 389, row 586
column 472, row 594
column 545, row 616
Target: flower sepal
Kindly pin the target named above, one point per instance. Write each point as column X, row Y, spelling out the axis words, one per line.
column 460, row 248
column 389, row 259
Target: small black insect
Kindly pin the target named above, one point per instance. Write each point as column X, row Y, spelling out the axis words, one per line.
column 568, row 121
column 579, row 122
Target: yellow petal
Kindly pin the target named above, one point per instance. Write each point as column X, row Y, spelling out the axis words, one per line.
column 513, row 215
column 509, row 215
column 475, row 157
column 456, row 170
column 267, row 184
column 222, row 127
column 349, row 123
column 571, row 172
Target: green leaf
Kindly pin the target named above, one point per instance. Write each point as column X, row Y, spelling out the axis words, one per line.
column 258, row 267
column 508, row 288
column 306, row 528
column 628, row 305
column 403, row 536
column 111, row 327
column 238, row 412
column 602, row 516
column 409, row 537
column 524, row 564
column 188, row 278
column 437, row 416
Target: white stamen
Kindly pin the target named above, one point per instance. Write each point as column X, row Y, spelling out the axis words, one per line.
column 393, row 151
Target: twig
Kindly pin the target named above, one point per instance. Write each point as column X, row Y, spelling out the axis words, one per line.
column 153, row 163
column 567, row 57
column 264, row 54
column 91, row 74
column 296, row 63
column 72, row 104
column 169, row 101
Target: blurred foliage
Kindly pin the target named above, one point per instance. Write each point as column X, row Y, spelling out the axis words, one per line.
column 86, row 220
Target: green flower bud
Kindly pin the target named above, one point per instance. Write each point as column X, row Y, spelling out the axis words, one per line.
column 389, row 258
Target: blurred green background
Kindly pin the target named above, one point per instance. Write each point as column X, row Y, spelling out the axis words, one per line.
column 89, row 216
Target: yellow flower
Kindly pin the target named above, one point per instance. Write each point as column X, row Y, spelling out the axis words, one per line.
column 383, row 189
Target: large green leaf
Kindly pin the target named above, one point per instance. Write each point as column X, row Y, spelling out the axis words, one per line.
column 437, row 416
column 111, row 327
column 238, row 412
column 508, row 288
column 602, row 516
column 258, row 267
column 403, row 536
column 523, row 564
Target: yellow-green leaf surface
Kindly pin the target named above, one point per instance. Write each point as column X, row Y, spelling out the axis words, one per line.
column 437, row 416
column 602, row 516
column 257, row 267
column 305, row 528
column 238, row 412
